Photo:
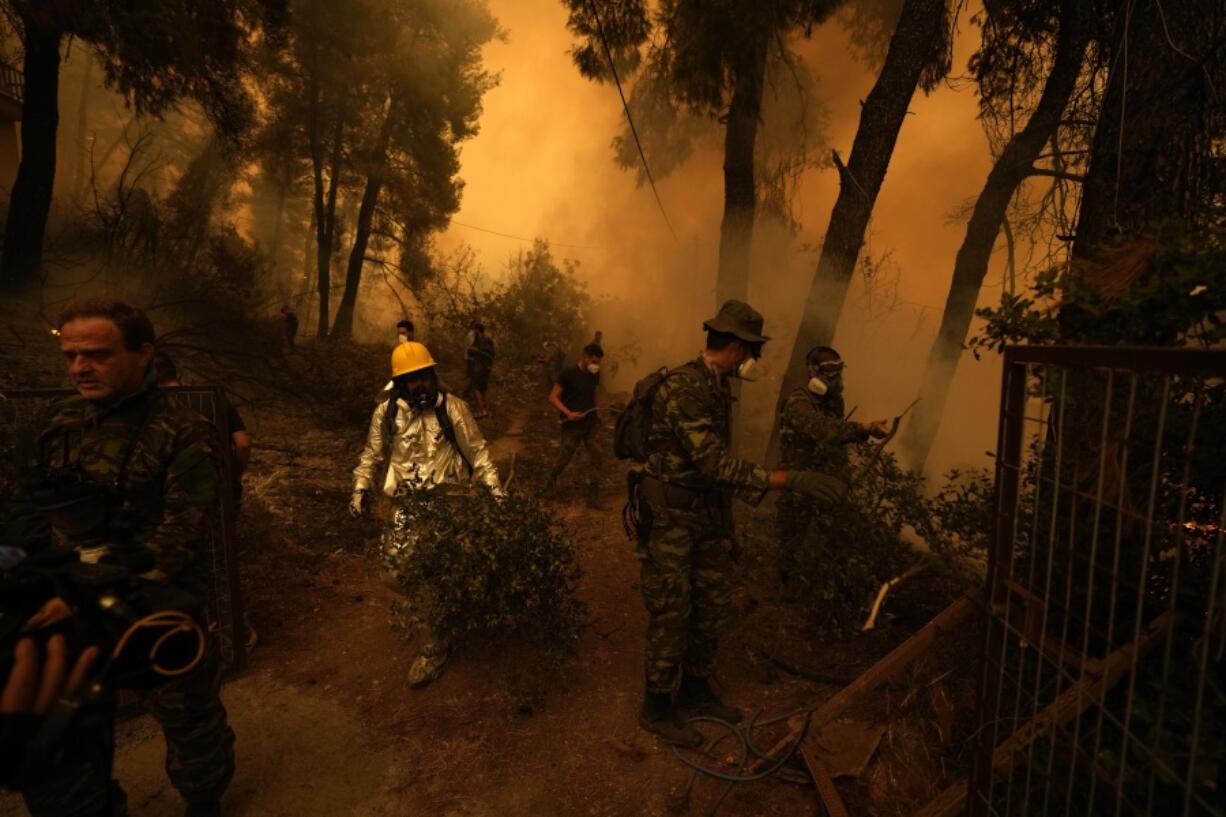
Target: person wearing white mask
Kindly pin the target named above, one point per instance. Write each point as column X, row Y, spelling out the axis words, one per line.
column 574, row 396
column 404, row 332
column 814, row 434
column 680, row 510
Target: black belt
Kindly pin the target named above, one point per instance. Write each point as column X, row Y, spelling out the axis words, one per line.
column 675, row 497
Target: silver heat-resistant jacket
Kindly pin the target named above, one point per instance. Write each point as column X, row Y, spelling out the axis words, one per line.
column 421, row 456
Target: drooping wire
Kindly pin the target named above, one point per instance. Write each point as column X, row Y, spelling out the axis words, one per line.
column 630, row 119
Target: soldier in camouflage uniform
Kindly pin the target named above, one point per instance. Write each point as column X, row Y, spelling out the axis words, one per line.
column 813, row 434
column 157, row 466
column 684, row 498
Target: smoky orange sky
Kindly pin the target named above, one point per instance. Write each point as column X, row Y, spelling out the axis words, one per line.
column 542, row 166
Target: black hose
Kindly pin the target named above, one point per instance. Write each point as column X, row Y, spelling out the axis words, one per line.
column 744, row 736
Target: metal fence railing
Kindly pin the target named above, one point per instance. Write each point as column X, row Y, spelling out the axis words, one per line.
column 20, row 414
column 1103, row 685
column 12, row 82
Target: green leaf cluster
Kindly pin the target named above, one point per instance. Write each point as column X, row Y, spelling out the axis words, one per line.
column 539, row 297
column 479, row 566
column 1171, row 292
column 853, row 547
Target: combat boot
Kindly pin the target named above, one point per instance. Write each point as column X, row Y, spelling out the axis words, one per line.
column 695, row 697
column 660, row 717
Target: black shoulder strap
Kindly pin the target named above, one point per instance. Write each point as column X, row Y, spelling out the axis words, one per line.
column 444, row 422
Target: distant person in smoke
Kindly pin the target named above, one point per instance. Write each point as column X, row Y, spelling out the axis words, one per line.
column 480, row 363
column 551, row 359
column 574, row 396
column 404, row 331
column 814, row 435
column 291, row 327
column 420, row 439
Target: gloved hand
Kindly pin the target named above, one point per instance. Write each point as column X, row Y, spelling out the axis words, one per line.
column 359, row 503
column 817, row 485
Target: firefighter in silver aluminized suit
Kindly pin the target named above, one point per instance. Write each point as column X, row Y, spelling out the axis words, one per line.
column 420, row 439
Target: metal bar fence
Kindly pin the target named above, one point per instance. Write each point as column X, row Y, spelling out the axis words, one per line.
column 1101, row 687
column 20, row 414
column 12, row 83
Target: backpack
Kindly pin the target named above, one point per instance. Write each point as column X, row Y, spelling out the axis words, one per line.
column 633, row 429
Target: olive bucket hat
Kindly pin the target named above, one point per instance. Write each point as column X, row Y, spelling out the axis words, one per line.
column 739, row 319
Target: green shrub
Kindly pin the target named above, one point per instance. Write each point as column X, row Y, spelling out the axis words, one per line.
column 475, row 565
column 853, row 547
column 959, row 518
column 539, row 297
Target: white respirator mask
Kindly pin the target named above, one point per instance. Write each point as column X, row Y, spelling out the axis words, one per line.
column 818, row 386
column 750, row 370
column 401, row 338
column 593, row 368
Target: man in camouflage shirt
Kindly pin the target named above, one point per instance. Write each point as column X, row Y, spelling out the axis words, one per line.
column 157, row 466
column 813, row 434
column 684, row 501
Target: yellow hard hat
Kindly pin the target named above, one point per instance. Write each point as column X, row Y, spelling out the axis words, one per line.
column 410, row 357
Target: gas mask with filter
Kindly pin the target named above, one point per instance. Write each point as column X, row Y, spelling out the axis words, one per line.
column 827, row 379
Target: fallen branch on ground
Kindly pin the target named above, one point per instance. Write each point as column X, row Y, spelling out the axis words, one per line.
column 885, row 588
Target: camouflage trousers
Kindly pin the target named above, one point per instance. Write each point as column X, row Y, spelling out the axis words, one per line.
column 686, row 586
column 199, row 750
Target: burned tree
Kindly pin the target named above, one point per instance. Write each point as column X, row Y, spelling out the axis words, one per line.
column 1151, row 157
column 918, row 56
column 1070, row 23
column 707, row 59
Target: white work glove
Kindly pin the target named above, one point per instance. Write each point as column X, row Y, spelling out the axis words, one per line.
column 359, row 503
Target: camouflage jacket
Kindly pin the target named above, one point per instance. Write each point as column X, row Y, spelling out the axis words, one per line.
column 171, row 482
column 813, row 434
column 691, row 430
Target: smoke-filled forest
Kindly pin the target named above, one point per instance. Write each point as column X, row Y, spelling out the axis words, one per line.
column 891, row 332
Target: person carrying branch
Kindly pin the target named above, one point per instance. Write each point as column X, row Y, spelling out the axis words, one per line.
column 813, row 434
column 420, row 439
column 574, row 396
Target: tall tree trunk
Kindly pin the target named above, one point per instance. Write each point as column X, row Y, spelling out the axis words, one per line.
column 81, row 152
column 284, row 181
column 1152, row 143
column 1012, row 167
column 881, row 118
column 30, row 202
column 343, row 326
column 325, row 221
column 740, row 189
column 324, row 201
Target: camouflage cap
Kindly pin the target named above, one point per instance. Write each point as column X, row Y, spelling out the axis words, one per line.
column 740, row 319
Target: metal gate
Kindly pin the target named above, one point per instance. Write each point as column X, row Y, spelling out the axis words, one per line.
column 1103, row 686
column 20, row 414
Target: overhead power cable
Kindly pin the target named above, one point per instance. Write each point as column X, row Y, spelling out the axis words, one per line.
column 630, row 119
column 528, row 240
